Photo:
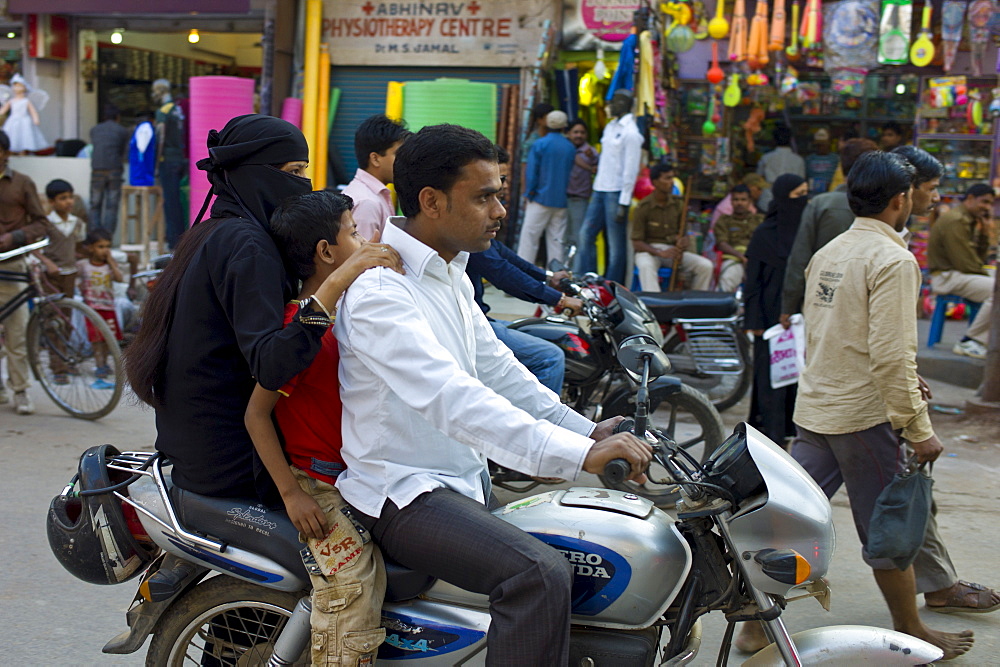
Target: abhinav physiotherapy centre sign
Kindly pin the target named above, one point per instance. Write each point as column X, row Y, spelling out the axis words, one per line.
column 475, row 33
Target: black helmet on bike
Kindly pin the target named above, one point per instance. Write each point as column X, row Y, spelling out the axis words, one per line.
column 90, row 535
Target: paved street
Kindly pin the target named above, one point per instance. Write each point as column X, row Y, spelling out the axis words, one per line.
column 49, row 617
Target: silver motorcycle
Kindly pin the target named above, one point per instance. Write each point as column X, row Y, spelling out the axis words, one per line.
column 225, row 583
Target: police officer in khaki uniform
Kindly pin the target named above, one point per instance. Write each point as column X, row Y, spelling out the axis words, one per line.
column 655, row 226
column 732, row 235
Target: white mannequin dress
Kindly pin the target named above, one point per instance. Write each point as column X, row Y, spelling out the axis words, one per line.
column 24, row 134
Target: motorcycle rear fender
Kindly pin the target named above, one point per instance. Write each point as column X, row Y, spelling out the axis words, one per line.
column 852, row 645
column 143, row 616
column 617, row 402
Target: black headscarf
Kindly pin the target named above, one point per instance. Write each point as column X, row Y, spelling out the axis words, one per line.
column 771, row 243
column 241, row 167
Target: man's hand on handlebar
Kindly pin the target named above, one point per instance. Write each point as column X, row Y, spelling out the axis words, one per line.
column 620, row 446
column 570, row 305
column 555, row 280
column 606, row 428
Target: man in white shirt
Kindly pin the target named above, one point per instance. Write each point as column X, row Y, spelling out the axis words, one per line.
column 617, row 169
column 375, row 145
column 429, row 393
column 781, row 160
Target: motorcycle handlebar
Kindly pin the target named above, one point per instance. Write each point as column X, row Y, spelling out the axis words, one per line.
column 617, row 470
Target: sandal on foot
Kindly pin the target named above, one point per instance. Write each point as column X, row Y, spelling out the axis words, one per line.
column 957, row 602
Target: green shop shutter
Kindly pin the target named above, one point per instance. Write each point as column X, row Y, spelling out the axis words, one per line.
column 363, row 92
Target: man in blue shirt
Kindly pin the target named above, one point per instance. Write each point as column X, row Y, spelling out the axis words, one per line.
column 550, row 162
column 523, row 280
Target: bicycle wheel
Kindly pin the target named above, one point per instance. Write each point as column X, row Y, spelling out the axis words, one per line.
column 687, row 417
column 64, row 360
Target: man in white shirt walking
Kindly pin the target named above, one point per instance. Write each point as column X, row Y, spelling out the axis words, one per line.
column 429, row 393
column 617, row 170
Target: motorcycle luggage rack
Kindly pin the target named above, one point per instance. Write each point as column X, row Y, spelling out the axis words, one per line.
column 130, row 462
column 713, row 345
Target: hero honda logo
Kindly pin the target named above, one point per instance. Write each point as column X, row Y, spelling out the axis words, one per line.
column 588, row 564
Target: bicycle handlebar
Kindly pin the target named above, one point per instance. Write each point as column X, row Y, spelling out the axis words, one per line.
column 23, row 250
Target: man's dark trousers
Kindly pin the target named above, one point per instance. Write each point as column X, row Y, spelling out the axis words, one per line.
column 456, row 539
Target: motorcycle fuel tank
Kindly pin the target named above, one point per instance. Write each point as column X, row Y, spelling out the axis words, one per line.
column 583, row 364
column 629, row 560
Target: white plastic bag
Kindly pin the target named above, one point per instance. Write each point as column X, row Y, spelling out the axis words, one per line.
column 787, row 349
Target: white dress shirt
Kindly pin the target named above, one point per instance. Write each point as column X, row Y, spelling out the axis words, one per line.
column 621, row 155
column 429, row 392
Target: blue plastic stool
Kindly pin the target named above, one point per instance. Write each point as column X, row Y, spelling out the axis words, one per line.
column 664, row 274
column 941, row 305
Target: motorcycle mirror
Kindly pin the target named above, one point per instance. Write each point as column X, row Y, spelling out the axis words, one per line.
column 555, row 266
column 635, row 349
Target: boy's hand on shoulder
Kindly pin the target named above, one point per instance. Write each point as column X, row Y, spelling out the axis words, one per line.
column 305, row 513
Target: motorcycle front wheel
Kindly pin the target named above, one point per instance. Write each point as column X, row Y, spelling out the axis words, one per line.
column 687, row 417
column 222, row 622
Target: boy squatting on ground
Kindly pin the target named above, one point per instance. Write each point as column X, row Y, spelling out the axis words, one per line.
column 318, row 238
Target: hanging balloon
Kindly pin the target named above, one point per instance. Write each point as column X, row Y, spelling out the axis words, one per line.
column 715, row 73
column 680, row 39
column 718, row 27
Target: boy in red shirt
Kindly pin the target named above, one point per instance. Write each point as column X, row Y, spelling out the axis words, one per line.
column 318, row 239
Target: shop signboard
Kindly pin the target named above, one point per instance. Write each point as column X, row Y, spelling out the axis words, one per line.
column 474, row 33
column 591, row 23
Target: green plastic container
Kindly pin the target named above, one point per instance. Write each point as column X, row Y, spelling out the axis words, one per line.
column 472, row 104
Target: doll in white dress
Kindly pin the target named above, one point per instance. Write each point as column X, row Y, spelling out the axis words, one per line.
column 22, row 123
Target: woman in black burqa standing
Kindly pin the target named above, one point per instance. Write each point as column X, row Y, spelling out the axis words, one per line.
column 214, row 323
column 771, row 409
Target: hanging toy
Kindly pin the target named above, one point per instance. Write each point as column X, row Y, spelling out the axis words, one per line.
column 708, row 127
column 789, row 82
column 893, row 43
column 732, row 95
column 678, row 37
column 777, row 42
column 922, row 51
column 738, row 38
column 699, row 21
column 810, row 30
column 793, row 49
column 757, row 56
column 952, row 13
column 715, row 74
column 995, row 104
column 980, row 12
column 718, row 27
column 752, row 126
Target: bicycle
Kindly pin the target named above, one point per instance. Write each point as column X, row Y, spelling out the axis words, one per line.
column 58, row 337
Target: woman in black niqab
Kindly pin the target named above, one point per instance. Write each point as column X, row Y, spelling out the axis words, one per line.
column 767, row 255
column 215, row 321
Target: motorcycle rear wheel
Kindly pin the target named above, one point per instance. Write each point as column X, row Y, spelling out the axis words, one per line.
column 689, row 418
column 223, row 621
column 724, row 391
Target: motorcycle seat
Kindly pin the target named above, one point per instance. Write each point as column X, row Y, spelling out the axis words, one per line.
column 690, row 304
column 214, row 517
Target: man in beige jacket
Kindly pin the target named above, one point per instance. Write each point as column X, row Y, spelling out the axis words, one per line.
column 861, row 406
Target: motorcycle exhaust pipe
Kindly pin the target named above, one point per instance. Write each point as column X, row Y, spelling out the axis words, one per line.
column 294, row 638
